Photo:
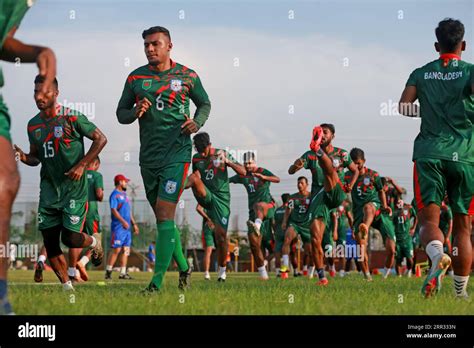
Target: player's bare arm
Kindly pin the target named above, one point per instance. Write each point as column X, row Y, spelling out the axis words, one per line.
column 206, row 217
column 31, row 159
column 136, row 230
column 406, row 104
column 272, row 178
column 355, row 174
column 297, row 165
column 98, row 142
column 43, row 56
column 237, row 167
column 99, row 194
column 397, row 187
column 383, row 200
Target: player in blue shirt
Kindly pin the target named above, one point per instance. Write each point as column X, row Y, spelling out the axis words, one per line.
column 122, row 221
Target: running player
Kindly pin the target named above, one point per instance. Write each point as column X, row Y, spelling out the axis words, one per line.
column 210, row 185
column 56, row 135
column 257, row 182
column 95, row 183
column 208, row 243
column 370, row 209
column 295, row 222
column 443, row 154
column 11, row 49
column 402, row 220
column 158, row 95
column 279, row 231
column 327, row 164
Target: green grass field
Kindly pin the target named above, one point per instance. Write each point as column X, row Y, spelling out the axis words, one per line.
column 242, row 293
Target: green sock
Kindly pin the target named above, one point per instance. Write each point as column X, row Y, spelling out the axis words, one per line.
column 178, row 252
column 165, row 245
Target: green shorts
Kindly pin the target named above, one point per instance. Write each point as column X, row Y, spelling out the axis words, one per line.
column 71, row 217
column 359, row 215
column 324, row 201
column 92, row 225
column 433, row 177
column 207, row 236
column 4, row 121
column 404, row 249
column 166, row 183
column 383, row 222
column 218, row 209
column 303, row 230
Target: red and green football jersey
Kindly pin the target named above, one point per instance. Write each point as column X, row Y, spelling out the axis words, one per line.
column 317, row 179
column 340, row 160
column 299, row 204
column 161, row 140
column 11, row 14
column 402, row 222
column 60, row 145
column 258, row 190
column 214, row 173
column 446, row 109
column 94, row 181
column 366, row 188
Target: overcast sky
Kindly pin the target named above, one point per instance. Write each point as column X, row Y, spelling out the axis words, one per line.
column 272, row 70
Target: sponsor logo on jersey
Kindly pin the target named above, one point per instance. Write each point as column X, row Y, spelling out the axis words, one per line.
column 170, row 187
column 336, row 163
column 175, row 85
column 405, row 212
column 146, row 84
column 38, row 133
column 74, row 219
column 367, row 181
column 216, row 162
column 224, row 221
column 58, row 131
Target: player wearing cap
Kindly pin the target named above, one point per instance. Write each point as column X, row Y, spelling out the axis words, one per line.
column 122, row 222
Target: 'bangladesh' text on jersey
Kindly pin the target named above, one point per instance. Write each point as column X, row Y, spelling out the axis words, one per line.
column 446, row 110
column 366, row 188
column 60, row 145
column 214, row 173
column 161, row 140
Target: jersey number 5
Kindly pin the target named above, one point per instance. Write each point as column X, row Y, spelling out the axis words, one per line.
column 48, row 149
